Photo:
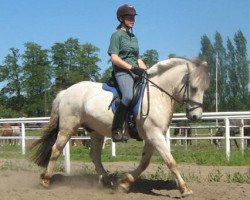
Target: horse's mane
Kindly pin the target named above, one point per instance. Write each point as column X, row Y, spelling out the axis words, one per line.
column 198, row 74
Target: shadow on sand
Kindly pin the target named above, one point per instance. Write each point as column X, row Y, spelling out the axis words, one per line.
column 144, row 186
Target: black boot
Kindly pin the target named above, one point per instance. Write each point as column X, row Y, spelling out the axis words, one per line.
column 118, row 123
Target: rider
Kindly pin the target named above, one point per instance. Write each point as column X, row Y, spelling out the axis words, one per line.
column 127, row 64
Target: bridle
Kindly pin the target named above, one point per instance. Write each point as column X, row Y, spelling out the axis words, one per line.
column 186, row 99
column 186, row 96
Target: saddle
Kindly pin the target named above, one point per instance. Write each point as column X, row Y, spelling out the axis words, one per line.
column 139, row 86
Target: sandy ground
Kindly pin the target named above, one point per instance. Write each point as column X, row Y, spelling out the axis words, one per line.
column 22, row 182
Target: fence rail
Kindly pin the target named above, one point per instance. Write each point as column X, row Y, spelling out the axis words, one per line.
column 211, row 116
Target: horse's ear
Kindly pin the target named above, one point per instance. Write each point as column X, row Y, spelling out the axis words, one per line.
column 204, row 64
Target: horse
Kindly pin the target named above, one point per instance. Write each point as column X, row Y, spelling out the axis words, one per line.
column 9, row 130
column 234, row 130
column 86, row 104
column 85, row 143
column 183, row 129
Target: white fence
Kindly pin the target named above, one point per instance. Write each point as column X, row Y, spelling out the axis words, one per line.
column 180, row 116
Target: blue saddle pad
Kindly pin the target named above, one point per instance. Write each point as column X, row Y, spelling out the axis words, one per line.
column 116, row 99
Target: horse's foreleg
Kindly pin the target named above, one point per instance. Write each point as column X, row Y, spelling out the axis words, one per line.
column 62, row 139
column 95, row 154
column 161, row 146
column 129, row 178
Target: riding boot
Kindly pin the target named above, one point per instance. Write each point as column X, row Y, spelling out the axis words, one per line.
column 118, row 123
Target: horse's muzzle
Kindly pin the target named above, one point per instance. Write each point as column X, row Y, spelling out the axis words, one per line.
column 193, row 116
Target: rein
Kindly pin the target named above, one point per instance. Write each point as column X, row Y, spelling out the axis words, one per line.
column 184, row 87
column 164, row 91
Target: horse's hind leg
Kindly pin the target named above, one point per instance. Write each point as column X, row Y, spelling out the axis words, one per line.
column 129, row 178
column 236, row 144
column 62, row 138
column 95, row 154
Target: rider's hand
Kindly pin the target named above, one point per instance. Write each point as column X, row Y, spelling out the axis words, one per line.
column 137, row 71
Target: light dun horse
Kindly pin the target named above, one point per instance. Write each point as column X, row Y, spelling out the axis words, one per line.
column 86, row 104
column 7, row 130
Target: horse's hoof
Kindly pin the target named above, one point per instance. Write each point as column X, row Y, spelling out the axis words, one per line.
column 122, row 188
column 125, row 183
column 105, row 181
column 45, row 183
column 45, row 180
column 187, row 193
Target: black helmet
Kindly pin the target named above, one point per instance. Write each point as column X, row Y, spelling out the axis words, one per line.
column 125, row 10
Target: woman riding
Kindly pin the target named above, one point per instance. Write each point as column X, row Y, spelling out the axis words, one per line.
column 127, row 64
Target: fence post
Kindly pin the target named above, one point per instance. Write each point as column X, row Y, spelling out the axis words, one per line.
column 227, row 137
column 168, row 139
column 113, row 150
column 66, row 153
column 185, row 141
column 242, row 135
column 23, row 138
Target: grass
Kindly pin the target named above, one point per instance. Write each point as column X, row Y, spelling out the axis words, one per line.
column 202, row 154
column 211, row 156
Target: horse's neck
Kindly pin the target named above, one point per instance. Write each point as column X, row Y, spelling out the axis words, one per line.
column 170, row 80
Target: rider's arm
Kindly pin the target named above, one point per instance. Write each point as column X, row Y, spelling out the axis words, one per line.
column 142, row 64
column 117, row 61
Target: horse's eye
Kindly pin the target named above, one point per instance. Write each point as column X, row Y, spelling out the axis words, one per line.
column 194, row 89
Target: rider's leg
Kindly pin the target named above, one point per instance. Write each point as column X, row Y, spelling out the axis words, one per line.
column 126, row 83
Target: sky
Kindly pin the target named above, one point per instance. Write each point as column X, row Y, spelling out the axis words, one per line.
column 168, row 26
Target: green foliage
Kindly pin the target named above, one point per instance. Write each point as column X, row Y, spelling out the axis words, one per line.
column 207, row 54
column 30, row 87
column 11, row 74
column 150, row 57
column 215, row 176
column 31, row 80
column 172, row 55
column 201, row 154
column 106, row 75
column 239, row 178
column 232, row 72
column 74, row 62
column 37, row 78
column 205, row 155
column 7, row 112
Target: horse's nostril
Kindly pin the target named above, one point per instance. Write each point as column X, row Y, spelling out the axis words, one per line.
column 195, row 117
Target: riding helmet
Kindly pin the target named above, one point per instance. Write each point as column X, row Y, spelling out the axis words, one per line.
column 125, row 10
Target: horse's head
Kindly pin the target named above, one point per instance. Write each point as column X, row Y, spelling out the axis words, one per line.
column 183, row 80
column 196, row 81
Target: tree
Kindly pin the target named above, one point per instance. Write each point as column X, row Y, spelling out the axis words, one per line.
column 71, row 49
column 106, row 75
column 220, row 54
column 37, row 74
column 150, row 57
column 87, row 60
column 73, row 62
column 60, row 66
column 233, row 72
column 242, row 69
column 11, row 74
column 232, row 90
column 207, row 54
column 171, row 55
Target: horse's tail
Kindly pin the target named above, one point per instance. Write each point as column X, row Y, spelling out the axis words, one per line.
column 50, row 132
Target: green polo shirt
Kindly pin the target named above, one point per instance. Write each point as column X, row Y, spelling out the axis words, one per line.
column 125, row 45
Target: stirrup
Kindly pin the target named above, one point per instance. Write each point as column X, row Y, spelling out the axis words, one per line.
column 118, row 136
